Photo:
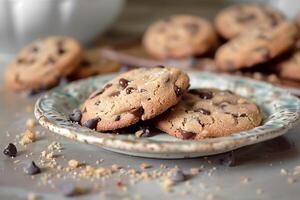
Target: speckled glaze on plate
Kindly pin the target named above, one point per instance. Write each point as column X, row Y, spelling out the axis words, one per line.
column 281, row 111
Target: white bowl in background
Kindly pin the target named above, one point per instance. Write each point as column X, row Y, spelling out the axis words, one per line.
column 22, row 21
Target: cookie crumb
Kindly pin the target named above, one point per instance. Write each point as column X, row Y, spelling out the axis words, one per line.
column 55, row 146
column 283, row 172
column 244, row 179
column 28, row 137
column 167, row 185
column 144, row 166
column 195, row 170
column 291, row 180
column 32, row 196
column 30, row 124
column 73, row 164
column 116, row 167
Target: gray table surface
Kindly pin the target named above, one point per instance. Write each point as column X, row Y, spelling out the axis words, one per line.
column 261, row 163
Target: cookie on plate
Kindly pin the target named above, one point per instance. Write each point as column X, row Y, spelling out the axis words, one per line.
column 140, row 94
column 179, row 36
column 43, row 63
column 208, row 113
column 256, row 46
column 93, row 63
column 237, row 19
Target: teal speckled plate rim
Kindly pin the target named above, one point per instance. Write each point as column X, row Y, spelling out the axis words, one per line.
column 281, row 111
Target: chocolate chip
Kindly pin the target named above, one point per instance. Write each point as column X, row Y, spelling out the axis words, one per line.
column 187, row 134
column 34, row 49
column 61, row 51
column 85, row 63
column 202, row 93
column 203, row 111
column 97, row 103
column 177, row 176
column 129, row 90
column 32, row 168
column 118, row 118
column 10, row 150
column 178, row 91
column 21, row 60
column 193, row 28
column 123, row 82
column 138, row 112
column 91, row 123
column 114, row 94
column 160, row 66
column 75, row 116
column 228, row 159
column 68, row 189
column 243, row 115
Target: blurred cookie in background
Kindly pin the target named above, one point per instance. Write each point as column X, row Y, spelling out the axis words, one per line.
column 43, row 63
column 256, row 46
column 93, row 63
column 240, row 18
column 179, row 36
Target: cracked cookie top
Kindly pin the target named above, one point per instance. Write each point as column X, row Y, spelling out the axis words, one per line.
column 140, row 94
column 207, row 113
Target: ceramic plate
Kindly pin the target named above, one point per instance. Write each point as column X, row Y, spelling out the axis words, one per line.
column 281, row 112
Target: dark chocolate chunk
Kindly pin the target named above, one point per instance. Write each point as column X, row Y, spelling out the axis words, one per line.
column 228, row 159
column 178, row 91
column 85, row 63
column 243, row 115
column 91, row 123
column 32, row 168
column 114, row 94
column 187, row 134
column 10, row 150
column 97, row 103
column 138, row 112
column 203, row 111
column 118, row 118
column 123, row 82
column 160, row 66
column 203, row 94
column 129, row 90
column 177, row 176
column 75, row 116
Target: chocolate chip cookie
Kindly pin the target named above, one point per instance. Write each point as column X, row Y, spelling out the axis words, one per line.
column 140, row 94
column 208, row 113
column 93, row 63
column 237, row 19
column 43, row 63
column 179, row 36
column 256, row 46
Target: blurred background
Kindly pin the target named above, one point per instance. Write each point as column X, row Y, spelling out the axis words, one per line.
column 22, row 21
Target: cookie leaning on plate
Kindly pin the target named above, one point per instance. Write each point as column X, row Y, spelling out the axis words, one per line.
column 237, row 19
column 140, row 94
column 93, row 63
column 256, row 46
column 208, row 113
column 179, row 36
column 43, row 63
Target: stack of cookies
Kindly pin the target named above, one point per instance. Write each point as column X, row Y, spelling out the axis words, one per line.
column 245, row 39
column 160, row 96
column 45, row 62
